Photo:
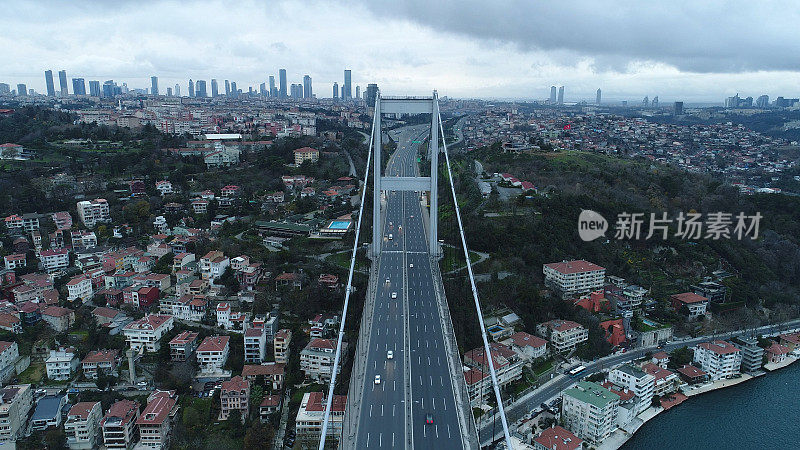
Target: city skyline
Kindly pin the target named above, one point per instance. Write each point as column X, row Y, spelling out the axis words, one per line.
column 493, row 62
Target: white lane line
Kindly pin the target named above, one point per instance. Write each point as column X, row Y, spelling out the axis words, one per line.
column 370, row 410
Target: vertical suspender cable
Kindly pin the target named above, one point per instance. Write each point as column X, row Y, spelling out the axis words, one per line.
column 347, row 293
column 486, row 348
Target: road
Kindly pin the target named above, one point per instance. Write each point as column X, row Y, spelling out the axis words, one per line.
column 409, row 326
column 526, row 404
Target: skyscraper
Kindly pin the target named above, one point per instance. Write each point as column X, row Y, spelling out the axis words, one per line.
column 372, row 92
column 335, row 90
column 678, row 108
column 552, row 95
column 282, row 81
column 214, row 87
column 262, row 90
column 307, row 87
column 654, row 103
column 48, row 79
column 78, row 86
column 599, row 95
column 108, row 89
column 5, row 88
column 234, row 91
column 358, row 91
column 191, row 88
column 200, row 89
column 169, row 92
column 94, row 88
column 346, row 89
column 62, row 80
column 762, row 101
column 154, row 85
column 646, row 101
column 273, row 91
column 177, row 90
column 561, row 95
column 22, row 90
column 227, row 88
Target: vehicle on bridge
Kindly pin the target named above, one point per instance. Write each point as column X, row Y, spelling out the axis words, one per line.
column 377, row 379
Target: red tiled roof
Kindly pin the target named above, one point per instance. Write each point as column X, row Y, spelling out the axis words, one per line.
column 577, row 266
column 158, row 408
column 214, row 344
column 322, row 343
column 150, row 322
column 689, row 297
column 558, row 438
column 561, row 325
column 719, row 347
column 56, row 311
column 252, row 370
column 124, row 409
column 316, row 403
column 105, row 312
column 236, row 383
column 523, row 339
column 82, row 409
column 4, row 345
column 98, row 356
column 271, row 400
column 691, row 371
column 183, row 338
column 778, row 349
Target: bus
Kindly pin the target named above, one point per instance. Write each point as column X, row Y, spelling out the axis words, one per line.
column 575, row 372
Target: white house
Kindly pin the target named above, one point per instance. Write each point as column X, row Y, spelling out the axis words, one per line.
column 146, row 332
column 212, row 353
column 719, row 359
column 83, row 425
column 61, row 364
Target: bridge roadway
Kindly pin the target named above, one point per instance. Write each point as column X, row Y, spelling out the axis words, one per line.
column 404, row 269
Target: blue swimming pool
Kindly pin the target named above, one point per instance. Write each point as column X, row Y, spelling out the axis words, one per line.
column 649, row 323
column 339, row 225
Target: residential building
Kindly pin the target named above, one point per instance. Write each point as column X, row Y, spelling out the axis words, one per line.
column 144, row 334
column 15, row 261
column 61, row 364
column 97, row 361
column 92, row 212
column 316, row 359
column 273, row 373
column 666, row 381
column 255, row 345
column 791, row 340
column 507, row 366
column 692, row 374
column 690, row 304
column 62, row 220
column 9, row 354
column 280, row 346
column 183, row 345
column 563, row 335
column 213, row 265
column 48, row 412
column 212, row 353
column 269, row 406
column 156, row 420
column 310, row 416
column 719, row 359
column 16, row 401
column 569, row 279
column 80, row 289
column 777, row 353
column 59, row 319
column 589, row 411
column 119, row 425
column 529, row 347
column 235, row 395
column 557, row 438
column 54, row 260
column 83, row 425
column 633, row 379
column 752, row 353
column 304, row 154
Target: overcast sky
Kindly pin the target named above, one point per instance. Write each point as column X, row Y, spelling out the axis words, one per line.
column 677, row 49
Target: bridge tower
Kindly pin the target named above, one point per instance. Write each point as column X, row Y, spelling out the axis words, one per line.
column 406, row 105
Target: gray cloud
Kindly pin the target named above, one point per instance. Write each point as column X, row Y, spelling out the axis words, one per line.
column 693, row 36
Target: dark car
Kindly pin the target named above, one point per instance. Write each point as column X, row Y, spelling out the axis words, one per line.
column 429, row 419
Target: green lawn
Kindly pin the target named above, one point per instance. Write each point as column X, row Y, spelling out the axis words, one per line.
column 543, row 367
column 453, row 258
column 342, row 259
column 33, row 374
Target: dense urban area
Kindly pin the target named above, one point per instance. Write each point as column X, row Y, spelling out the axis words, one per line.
column 174, row 267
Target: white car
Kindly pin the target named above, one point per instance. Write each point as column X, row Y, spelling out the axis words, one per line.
column 411, row 266
column 390, row 236
column 387, row 281
column 377, row 379
column 390, row 355
column 394, row 295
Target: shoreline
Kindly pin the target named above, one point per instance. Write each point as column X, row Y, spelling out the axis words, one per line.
column 619, row 437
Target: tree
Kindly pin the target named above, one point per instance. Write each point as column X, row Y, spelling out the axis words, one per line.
column 164, row 264
column 55, row 439
column 258, row 436
column 680, row 357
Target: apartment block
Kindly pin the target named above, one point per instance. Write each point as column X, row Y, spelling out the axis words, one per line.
column 570, row 279
column 16, row 401
column 183, row 345
column 255, row 345
column 145, row 333
column 310, row 416
column 563, row 335
column 589, row 411
column 156, row 420
column 281, row 345
column 119, row 425
column 235, row 395
column 92, row 212
column 316, row 359
column 633, row 379
column 719, row 359
column 61, row 364
column 83, row 425
column 212, row 353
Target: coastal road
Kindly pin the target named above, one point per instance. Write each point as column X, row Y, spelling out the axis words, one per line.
column 488, row 427
column 406, row 321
